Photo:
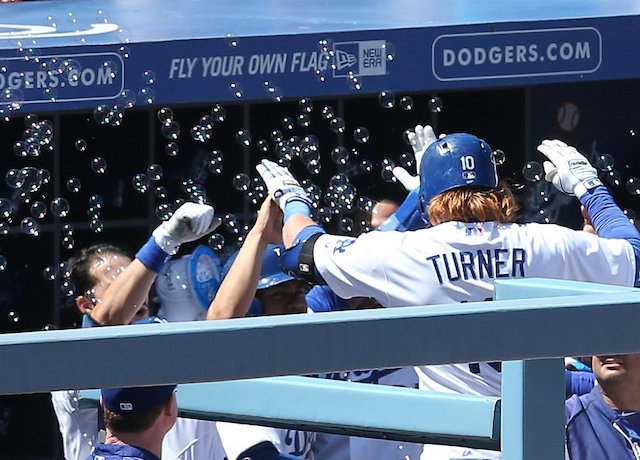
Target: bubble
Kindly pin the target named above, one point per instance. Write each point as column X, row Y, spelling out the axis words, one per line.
column 361, row 135
column 12, row 98
column 231, row 223
column 215, row 162
column 406, row 103
column 633, row 185
column 354, row 82
column 101, row 114
column 165, row 115
column 241, row 182
column 312, row 157
column 170, row 130
column 74, row 185
column 67, row 288
column 287, row 123
column 14, row 178
column 346, row 224
column 236, row 90
column 50, row 273
column 314, row 168
column 148, row 77
column 218, row 113
column 164, row 211
column 389, row 50
column 613, row 177
column 340, row 155
column 4, row 228
column 50, row 94
column 262, row 145
column 31, row 120
column 155, row 172
column 146, row 95
column 435, row 104
column 60, row 207
column 30, row 226
column 201, row 133
column 38, row 210
column 273, row 91
column 386, row 99
column 387, row 170
column 99, row 165
column 498, row 157
column 5, row 207
column 230, row 40
column 171, row 149
column 532, row 171
column 366, row 166
column 81, row 145
column 243, row 137
column 276, row 135
column 305, row 105
column 337, row 125
column 605, row 162
column 12, row 316
column 327, row 112
column 109, row 68
column 141, row 183
column 631, row 214
column 124, row 51
column 21, row 148
column 304, row 120
column 96, row 225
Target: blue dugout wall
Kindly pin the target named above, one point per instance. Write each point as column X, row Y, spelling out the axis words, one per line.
column 513, row 74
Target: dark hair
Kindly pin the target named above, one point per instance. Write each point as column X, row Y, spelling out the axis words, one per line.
column 136, row 422
column 81, row 263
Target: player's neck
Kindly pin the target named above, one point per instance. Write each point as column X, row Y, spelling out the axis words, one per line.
column 150, row 440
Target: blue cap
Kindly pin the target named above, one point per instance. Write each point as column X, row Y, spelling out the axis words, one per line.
column 135, row 399
column 271, row 273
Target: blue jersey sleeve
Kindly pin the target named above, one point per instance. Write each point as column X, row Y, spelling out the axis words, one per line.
column 610, row 222
column 323, row 299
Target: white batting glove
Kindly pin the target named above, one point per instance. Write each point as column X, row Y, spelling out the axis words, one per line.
column 420, row 140
column 190, row 222
column 568, row 170
column 281, row 185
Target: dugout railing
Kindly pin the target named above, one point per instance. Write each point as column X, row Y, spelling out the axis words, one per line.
column 530, row 326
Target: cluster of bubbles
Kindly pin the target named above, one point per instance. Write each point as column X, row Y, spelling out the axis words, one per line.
column 37, row 138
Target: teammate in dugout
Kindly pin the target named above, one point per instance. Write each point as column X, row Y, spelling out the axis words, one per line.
column 471, row 242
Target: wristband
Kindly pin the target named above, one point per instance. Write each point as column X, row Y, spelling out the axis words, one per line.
column 296, row 207
column 152, row 256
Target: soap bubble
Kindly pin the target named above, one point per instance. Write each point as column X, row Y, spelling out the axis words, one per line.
column 230, row 40
column 613, row 177
column 241, row 182
column 155, row 172
column 60, row 207
column 109, row 68
column 164, row 211
column 50, row 273
column 340, row 155
column 386, row 99
column 141, row 183
column 389, row 51
column 532, row 171
column 327, row 112
column 74, row 185
column 361, row 135
column 262, row 145
column 126, row 99
column 165, row 115
column 498, row 157
column 236, row 90
column 406, row 103
column 81, row 145
column 337, row 125
column 38, row 210
column 633, row 185
column 147, row 95
column 305, row 105
column 99, row 165
column 171, row 149
column 96, row 225
column 31, row 120
column 387, row 170
column 30, row 226
column 287, row 123
column 218, row 113
column 201, row 133
column 304, row 120
column 435, row 104
column 243, row 137
column 216, row 242
column 21, row 148
column 148, row 77
column 605, row 162
column 170, row 130
column 346, row 225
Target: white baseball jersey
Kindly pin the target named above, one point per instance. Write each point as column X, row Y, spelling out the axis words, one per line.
column 236, row 438
column 459, row 262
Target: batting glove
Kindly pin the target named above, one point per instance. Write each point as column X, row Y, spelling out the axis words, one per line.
column 281, row 185
column 420, row 140
column 190, row 222
column 568, row 170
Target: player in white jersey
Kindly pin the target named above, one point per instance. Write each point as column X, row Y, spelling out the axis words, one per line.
column 471, row 243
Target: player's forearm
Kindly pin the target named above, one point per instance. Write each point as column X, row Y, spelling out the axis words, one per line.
column 293, row 226
column 238, row 289
column 125, row 295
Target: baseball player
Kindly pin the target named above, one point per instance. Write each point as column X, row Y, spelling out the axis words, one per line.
column 112, row 289
column 472, row 242
column 137, row 420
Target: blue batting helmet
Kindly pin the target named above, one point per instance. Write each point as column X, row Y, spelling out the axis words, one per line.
column 271, row 273
column 456, row 160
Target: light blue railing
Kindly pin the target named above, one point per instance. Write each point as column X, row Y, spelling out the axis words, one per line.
column 531, row 326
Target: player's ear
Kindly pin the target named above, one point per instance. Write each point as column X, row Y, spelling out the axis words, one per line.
column 83, row 305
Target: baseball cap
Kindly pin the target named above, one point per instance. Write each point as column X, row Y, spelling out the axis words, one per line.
column 135, row 399
column 186, row 286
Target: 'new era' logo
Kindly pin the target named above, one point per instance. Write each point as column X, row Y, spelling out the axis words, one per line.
column 344, row 59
